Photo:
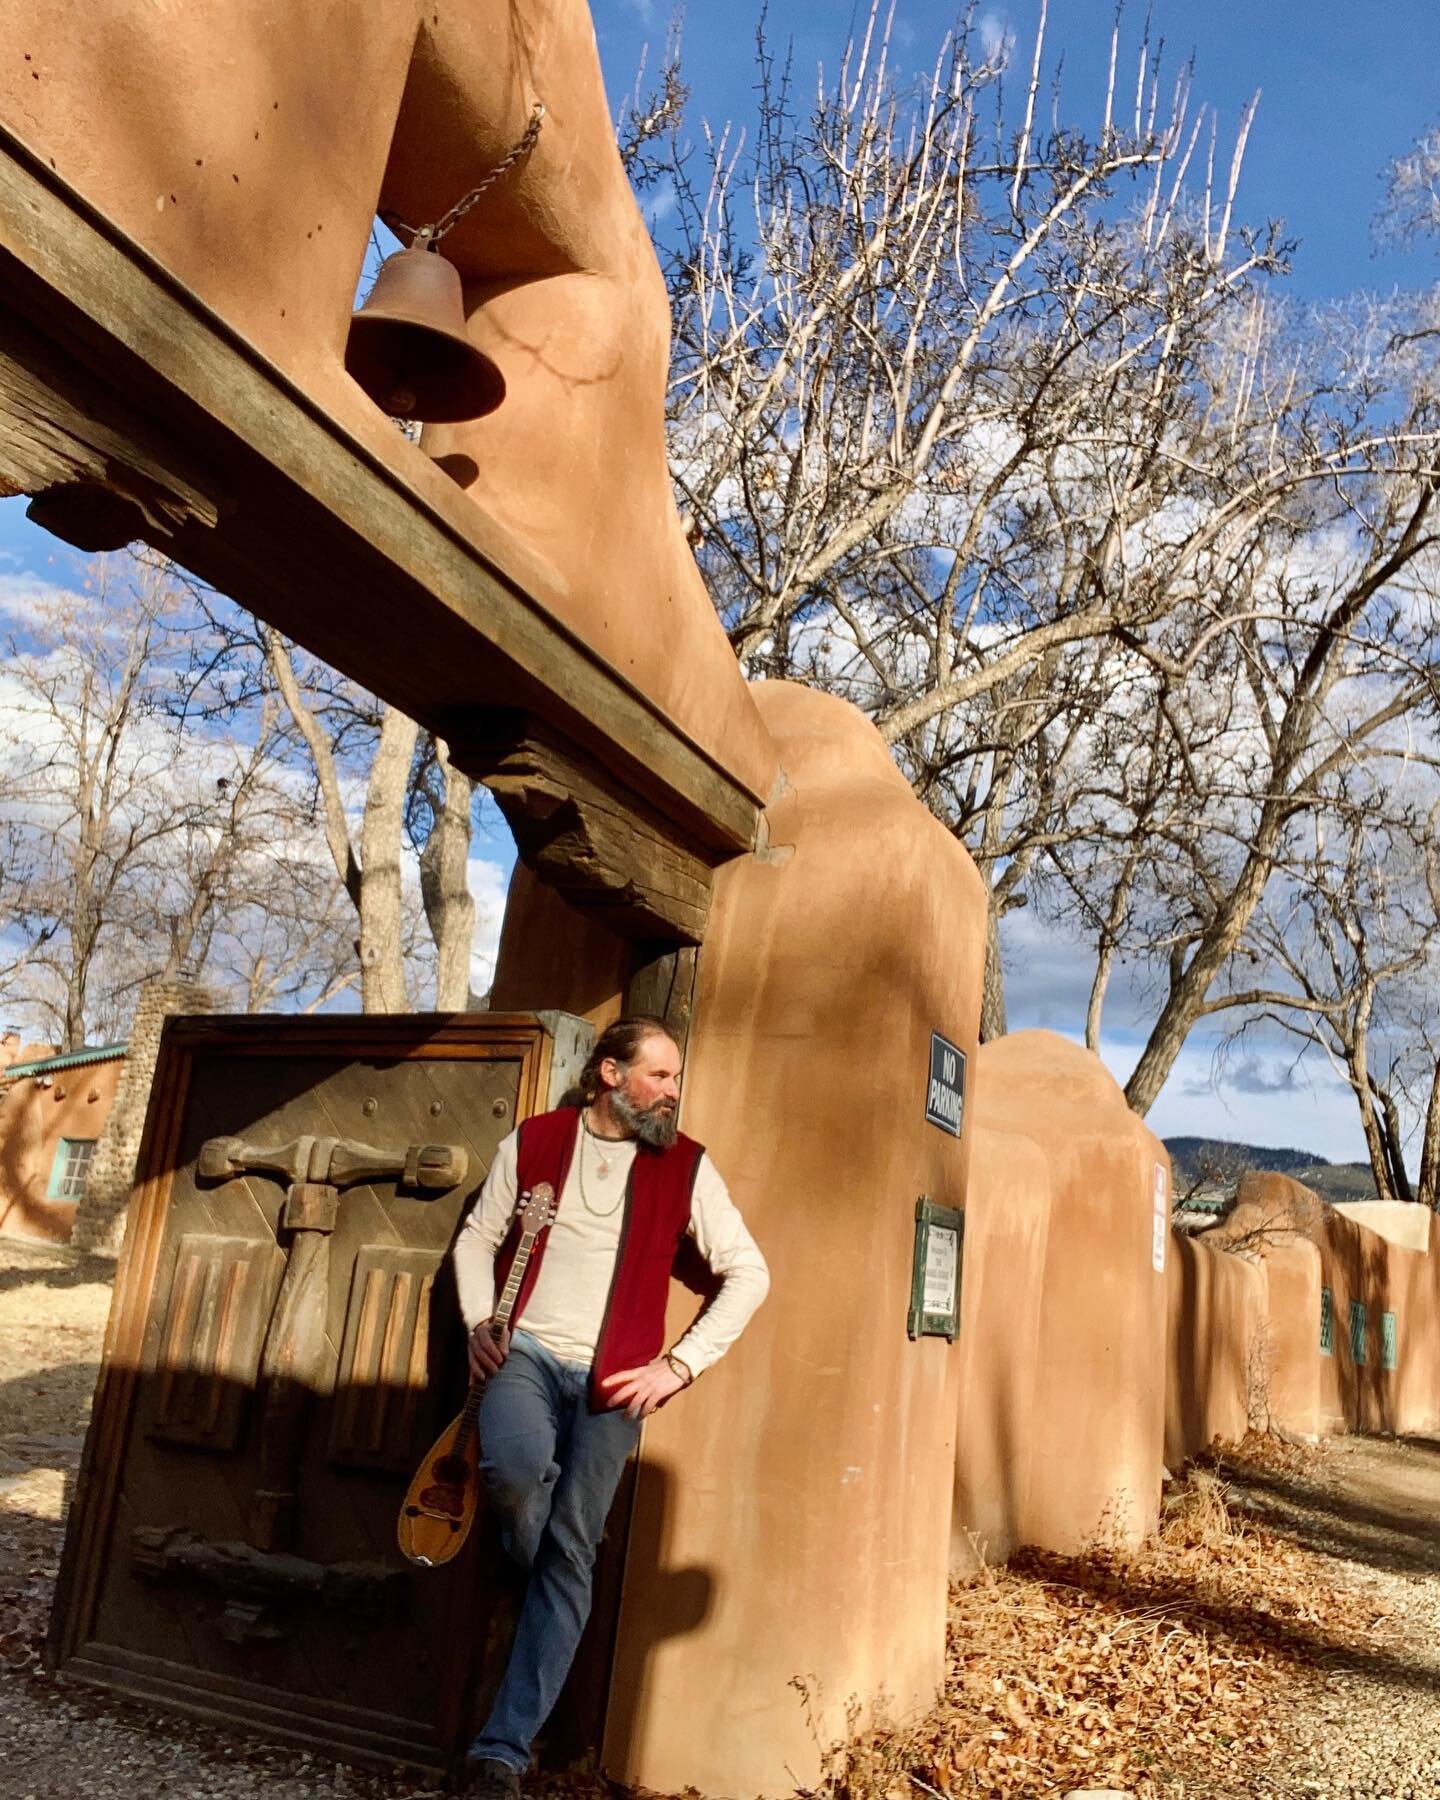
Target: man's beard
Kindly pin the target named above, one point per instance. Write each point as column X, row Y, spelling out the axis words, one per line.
column 654, row 1124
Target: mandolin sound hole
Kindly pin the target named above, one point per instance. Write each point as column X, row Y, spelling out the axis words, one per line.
column 451, row 1468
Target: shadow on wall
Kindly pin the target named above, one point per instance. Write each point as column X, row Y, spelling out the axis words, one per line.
column 23, row 1210
column 678, row 1602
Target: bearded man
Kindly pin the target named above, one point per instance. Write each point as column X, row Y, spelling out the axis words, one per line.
column 565, row 1394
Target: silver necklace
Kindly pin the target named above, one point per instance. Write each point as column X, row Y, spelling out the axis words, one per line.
column 587, row 1136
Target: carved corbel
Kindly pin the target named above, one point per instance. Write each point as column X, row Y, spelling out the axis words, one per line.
column 584, row 832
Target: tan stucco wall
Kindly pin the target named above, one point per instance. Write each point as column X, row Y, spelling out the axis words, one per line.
column 33, row 1120
column 808, row 1478
column 247, row 145
column 792, row 1514
column 1218, row 1372
column 1002, row 1309
column 1293, row 1282
column 1089, row 1421
column 1308, row 1246
column 1399, row 1223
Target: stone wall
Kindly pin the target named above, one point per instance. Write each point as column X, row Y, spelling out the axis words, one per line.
column 100, row 1217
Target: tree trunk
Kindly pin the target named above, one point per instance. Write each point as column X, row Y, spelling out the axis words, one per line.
column 1191, row 986
column 445, row 889
column 992, row 1004
column 1358, row 1065
column 382, row 962
column 1429, row 1192
column 1394, row 1145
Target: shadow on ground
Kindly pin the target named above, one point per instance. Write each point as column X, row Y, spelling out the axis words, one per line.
column 75, row 1271
column 1391, row 1524
column 1131, row 1591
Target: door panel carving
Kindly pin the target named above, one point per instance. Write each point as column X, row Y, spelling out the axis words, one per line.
column 209, row 1349
column 285, row 1342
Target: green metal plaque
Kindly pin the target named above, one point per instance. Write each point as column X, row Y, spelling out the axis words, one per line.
column 935, row 1275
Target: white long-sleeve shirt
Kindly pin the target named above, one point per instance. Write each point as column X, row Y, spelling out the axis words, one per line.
column 566, row 1307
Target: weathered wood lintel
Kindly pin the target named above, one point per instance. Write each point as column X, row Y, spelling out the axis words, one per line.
column 152, row 408
column 588, row 836
column 663, row 985
column 99, row 480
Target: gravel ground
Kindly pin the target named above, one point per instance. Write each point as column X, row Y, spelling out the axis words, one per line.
column 1364, row 1728
column 1367, row 1728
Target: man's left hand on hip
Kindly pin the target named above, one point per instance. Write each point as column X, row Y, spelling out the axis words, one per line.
column 640, row 1391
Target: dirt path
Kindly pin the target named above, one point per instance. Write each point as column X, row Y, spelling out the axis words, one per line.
column 1367, row 1726
column 1356, row 1714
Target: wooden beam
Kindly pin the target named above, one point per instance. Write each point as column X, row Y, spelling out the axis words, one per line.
column 597, row 843
column 234, row 471
column 663, row 985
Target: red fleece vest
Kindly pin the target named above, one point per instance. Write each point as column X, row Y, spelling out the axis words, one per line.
column 652, row 1231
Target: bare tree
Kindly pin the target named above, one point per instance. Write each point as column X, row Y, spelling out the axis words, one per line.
column 441, row 808
column 996, row 427
column 138, row 845
column 1345, row 949
column 88, row 749
column 932, row 402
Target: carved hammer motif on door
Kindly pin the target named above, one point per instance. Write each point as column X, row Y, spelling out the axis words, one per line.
column 292, row 1361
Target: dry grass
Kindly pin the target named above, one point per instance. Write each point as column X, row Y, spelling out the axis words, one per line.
column 1161, row 1670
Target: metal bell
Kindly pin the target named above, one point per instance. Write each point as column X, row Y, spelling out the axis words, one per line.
column 408, row 346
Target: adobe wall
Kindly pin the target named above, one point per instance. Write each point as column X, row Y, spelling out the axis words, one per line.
column 247, row 145
column 1365, row 1253
column 1090, row 1421
column 1002, row 1310
column 33, row 1119
column 792, row 1515
column 1218, row 1363
column 1293, row 1280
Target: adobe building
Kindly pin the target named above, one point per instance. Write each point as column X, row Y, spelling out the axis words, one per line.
column 1063, row 1309
column 53, row 1111
column 186, row 200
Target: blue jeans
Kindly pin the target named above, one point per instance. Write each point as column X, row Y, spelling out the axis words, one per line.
column 551, row 1468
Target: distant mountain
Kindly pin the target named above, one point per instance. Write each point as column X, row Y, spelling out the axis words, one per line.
column 1215, row 1163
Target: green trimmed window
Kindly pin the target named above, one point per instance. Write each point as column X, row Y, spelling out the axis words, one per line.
column 72, row 1163
column 1327, row 1322
column 1389, row 1341
column 1358, row 1353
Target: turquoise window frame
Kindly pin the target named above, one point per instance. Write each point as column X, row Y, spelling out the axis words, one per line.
column 1359, row 1326
column 1389, row 1342
column 60, row 1168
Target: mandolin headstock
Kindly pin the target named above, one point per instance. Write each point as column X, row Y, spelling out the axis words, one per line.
column 537, row 1208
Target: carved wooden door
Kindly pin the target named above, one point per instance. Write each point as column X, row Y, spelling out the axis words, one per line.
column 283, row 1346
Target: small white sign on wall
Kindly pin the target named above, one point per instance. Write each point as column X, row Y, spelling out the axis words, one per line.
column 1160, row 1225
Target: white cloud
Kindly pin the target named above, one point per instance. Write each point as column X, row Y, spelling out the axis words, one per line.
column 488, row 883
column 1259, row 1095
column 997, row 38
column 1268, row 1100
column 23, row 595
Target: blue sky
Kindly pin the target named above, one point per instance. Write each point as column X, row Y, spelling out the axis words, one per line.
column 1344, row 87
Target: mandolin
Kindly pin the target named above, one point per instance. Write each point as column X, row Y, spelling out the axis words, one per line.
column 444, row 1497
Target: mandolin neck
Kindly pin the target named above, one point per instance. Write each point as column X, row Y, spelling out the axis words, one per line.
column 511, row 1291
column 499, row 1323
